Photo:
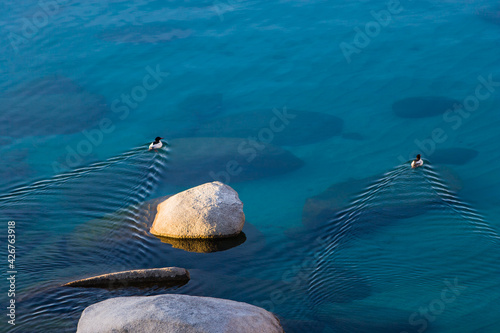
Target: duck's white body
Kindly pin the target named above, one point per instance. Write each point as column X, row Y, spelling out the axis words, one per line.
column 416, row 164
column 155, row 145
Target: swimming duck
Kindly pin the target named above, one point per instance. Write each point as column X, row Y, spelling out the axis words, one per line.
column 157, row 144
column 417, row 162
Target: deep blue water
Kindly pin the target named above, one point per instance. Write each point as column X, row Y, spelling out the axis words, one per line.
column 313, row 123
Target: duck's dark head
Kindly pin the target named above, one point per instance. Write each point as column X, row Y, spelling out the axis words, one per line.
column 158, row 139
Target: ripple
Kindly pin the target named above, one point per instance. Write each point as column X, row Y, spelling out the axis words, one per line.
column 406, row 229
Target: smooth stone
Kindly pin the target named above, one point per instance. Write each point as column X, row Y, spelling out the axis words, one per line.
column 48, row 106
column 205, row 245
column 422, row 107
column 148, row 210
column 211, row 210
column 279, row 127
column 167, row 276
column 203, row 105
column 457, row 156
column 194, row 161
column 176, row 313
column 250, row 236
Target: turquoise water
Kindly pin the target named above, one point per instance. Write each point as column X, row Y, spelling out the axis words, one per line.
column 312, row 122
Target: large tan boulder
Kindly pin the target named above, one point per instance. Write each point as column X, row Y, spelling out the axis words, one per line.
column 176, row 313
column 211, row 210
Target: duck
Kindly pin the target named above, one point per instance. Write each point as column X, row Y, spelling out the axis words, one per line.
column 417, row 162
column 157, row 144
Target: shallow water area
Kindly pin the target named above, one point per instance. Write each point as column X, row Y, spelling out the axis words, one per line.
column 341, row 235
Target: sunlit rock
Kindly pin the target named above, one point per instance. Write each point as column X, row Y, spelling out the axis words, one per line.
column 176, row 313
column 211, row 210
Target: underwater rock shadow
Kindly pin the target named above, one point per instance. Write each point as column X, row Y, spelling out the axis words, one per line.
column 424, row 189
column 48, row 106
column 194, row 161
column 423, row 107
column 326, row 206
column 490, row 14
column 280, row 127
column 203, row 106
column 456, row 156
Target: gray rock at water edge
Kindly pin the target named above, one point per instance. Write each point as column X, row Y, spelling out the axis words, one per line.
column 211, row 210
column 176, row 313
column 170, row 276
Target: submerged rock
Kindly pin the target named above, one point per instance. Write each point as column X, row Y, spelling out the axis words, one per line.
column 457, row 156
column 353, row 136
column 323, row 208
column 422, row 107
column 167, row 276
column 195, row 161
column 490, row 13
column 203, row 105
column 279, row 127
column 211, row 210
column 48, row 106
column 176, row 313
